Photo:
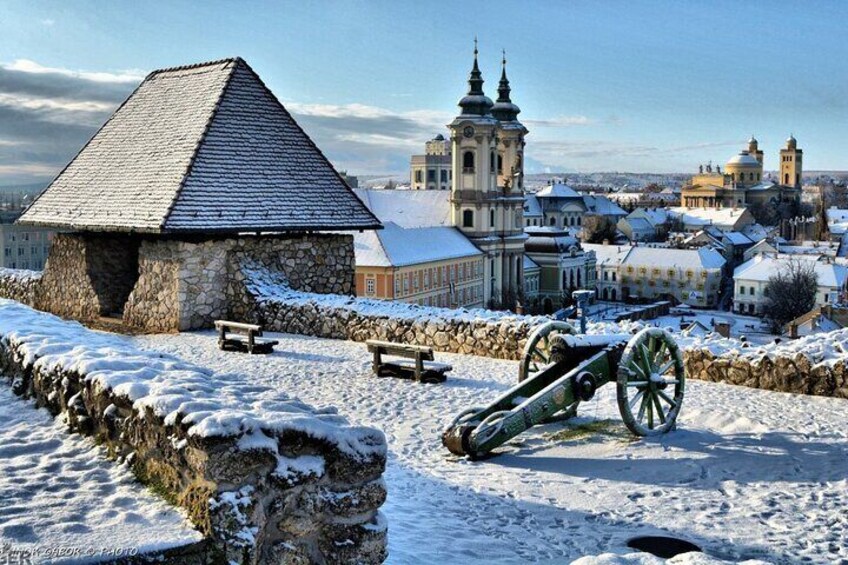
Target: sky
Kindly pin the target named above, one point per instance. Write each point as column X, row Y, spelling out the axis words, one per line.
column 632, row 86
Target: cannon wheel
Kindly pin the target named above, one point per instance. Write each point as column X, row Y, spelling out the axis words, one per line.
column 651, row 382
column 537, row 352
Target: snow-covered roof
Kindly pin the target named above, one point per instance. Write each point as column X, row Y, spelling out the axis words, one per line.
column 409, row 208
column 607, row 254
column 202, row 148
column 530, row 264
column 761, row 267
column 836, row 215
column 737, row 238
column 396, row 246
column 743, row 159
column 640, row 224
column 532, row 206
column 557, row 190
column 549, row 239
column 656, row 216
column 726, row 218
column 764, row 185
column 667, row 258
column 602, row 205
column 755, row 232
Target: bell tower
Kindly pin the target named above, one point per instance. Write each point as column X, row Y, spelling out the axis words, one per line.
column 487, row 212
column 790, row 164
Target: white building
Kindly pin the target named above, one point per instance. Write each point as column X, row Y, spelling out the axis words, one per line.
column 725, row 219
column 24, row 247
column 560, row 206
column 641, row 273
column 750, row 280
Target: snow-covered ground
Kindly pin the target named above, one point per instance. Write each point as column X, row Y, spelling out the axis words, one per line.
column 62, row 500
column 749, row 474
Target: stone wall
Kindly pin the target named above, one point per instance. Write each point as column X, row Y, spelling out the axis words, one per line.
column 185, row 285
column 302, row 487
column 87, row 276
column 782, row 373
column 19, row 285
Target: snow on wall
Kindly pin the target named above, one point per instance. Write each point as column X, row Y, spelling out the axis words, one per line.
column 257, row 470
column 19, row 284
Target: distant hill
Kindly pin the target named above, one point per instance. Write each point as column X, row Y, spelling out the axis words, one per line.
column 32, row 189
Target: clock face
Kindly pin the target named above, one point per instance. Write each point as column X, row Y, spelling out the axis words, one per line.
column 468, row 131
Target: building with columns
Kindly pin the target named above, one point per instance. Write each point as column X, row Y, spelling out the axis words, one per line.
column 487, row 199
column 742, row 182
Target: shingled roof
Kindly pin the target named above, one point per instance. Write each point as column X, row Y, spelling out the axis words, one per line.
column 204, row 148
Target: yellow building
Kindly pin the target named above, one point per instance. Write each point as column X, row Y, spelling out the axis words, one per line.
column 430, row 266
column 742, row 182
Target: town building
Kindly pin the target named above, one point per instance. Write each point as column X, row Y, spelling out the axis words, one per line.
column 24, row 247
column 750, row 280
column 693, row 220
column 532, row 280
column 742, row 183
column 432, row 266
column 565, row 266
column 559, row 205
column 433, row 169
column 645, row 224
column 638, row 273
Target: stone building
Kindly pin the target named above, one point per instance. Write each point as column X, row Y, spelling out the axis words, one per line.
column 743, row 184
column 198, row 176
column 561, row 206
column 564, row 265
column 432, row 170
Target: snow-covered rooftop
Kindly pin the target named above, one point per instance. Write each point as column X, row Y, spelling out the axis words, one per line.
column 202, row 148
column 398, row 247
column 557, row 190
column 532, row 206
column 725, row 218
column 762, row 267
column 409, row 208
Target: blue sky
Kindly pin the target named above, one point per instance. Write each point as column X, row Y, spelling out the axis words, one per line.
column 603, row 86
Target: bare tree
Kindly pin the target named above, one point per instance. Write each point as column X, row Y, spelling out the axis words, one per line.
column 790, row 292
column 597, row 228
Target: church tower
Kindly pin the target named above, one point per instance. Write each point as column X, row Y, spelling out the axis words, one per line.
column 490, row 216
column 754, row 149
column 790, row 164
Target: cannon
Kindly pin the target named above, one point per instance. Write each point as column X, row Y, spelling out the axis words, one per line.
column 561, row 368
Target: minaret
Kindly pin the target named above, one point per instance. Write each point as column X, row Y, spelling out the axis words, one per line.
column 488, row 216
column 790, row 164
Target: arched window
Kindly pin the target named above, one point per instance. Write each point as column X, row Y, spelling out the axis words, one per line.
column 492, row 162
column 786, row 178
column 500, row 164
column 468, row 162
column 492, row 218
column 553, row 221
column 468, row 218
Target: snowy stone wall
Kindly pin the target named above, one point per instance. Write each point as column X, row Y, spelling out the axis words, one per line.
column 788, row 370
column 267, row 478
column 19, row 285
column 267, row 300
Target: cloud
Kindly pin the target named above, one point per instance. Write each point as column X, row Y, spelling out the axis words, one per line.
column 561, row 122
column 48, row 22
column 47, row 114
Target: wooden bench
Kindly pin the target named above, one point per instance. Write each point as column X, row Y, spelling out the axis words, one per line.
column 417, row 362
column 236, row 336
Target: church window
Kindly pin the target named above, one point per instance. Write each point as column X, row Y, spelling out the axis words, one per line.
column 751, row 176
column 431, row 175
column 500, row 164
column 553, row 221
column 468, row 218
column 492, row 162
column 418, row 176
column 786, row 178
column 443, row 175
column 491, row 218
column 468, row 162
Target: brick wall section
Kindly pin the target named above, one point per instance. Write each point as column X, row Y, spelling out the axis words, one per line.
column 226, row 488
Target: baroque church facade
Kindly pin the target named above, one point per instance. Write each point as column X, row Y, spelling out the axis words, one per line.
column 487, row 186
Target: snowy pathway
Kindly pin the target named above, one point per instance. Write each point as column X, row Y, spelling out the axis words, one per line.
column 59, row 493
column 748, row 474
